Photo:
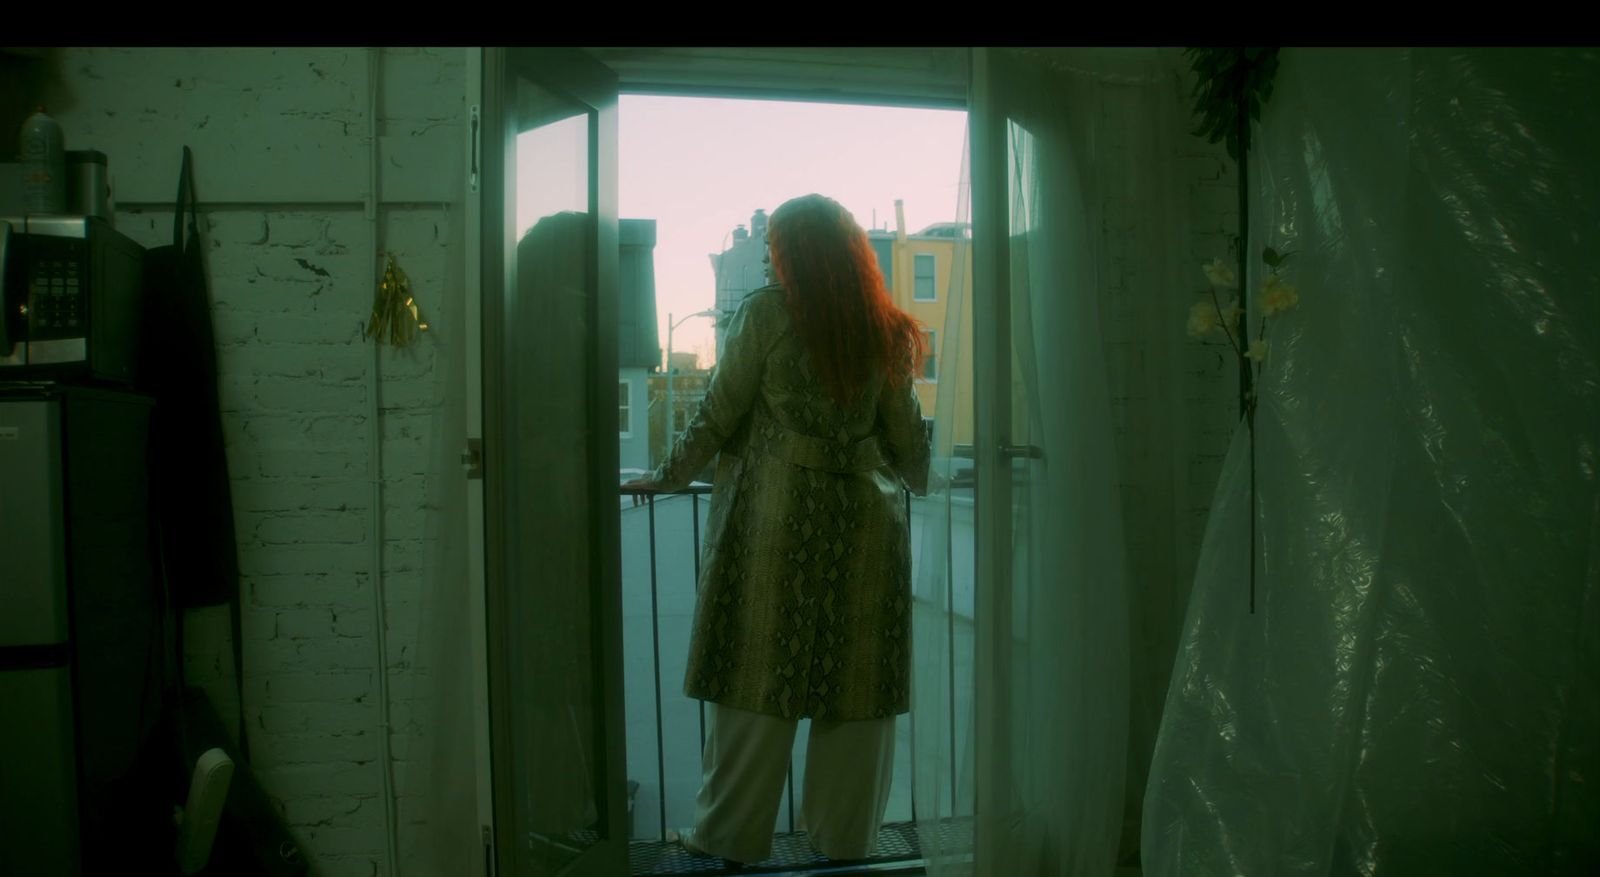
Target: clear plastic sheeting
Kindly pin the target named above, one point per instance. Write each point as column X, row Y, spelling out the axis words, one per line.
column 1417, row 691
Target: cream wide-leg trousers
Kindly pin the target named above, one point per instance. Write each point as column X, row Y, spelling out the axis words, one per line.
column 849, row 766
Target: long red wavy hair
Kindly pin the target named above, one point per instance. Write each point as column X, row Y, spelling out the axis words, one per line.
column 837, row 302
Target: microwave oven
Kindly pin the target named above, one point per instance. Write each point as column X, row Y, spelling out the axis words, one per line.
column 72, row 289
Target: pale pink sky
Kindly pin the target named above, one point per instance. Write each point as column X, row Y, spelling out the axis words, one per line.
column 700, row 166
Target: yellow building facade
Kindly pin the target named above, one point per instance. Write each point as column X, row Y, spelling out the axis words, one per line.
column 918, row 269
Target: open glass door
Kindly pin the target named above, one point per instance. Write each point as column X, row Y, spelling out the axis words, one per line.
column 550, row 463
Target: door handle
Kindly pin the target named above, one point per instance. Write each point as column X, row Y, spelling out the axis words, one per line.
column 5, row 307
column 473, row 149
column 1026, row 452
column 472, row 459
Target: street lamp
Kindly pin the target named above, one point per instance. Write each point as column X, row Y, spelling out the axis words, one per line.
column 672, row 411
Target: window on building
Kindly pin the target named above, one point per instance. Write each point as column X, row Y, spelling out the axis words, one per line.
column 680, row 419
column 930, row 366
column 624, row 413
column 925, row 290
column 884, row 248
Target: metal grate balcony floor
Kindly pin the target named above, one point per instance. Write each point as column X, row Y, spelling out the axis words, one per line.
column 899, row 851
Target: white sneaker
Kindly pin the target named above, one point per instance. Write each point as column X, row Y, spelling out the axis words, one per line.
column 197, row 822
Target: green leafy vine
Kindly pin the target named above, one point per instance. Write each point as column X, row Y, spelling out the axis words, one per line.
column 1231, row 83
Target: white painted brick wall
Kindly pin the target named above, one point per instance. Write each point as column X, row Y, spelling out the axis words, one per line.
column 280, row 159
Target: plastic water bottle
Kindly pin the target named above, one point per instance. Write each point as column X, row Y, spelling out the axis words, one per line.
column 44, row 165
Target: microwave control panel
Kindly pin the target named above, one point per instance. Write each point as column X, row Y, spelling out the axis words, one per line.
column 56, row 287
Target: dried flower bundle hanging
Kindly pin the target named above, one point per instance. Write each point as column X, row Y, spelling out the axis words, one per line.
column 396, row 318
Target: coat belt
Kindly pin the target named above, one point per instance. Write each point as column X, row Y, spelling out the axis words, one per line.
column 827, row 455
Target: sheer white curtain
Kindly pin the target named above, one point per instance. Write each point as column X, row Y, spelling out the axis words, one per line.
column 942, row 607
column 1101, row 258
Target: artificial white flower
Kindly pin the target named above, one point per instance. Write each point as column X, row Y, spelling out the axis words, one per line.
column 1218, row 272
column 1231, row 312
column 1202, row 319
column 1277, row 296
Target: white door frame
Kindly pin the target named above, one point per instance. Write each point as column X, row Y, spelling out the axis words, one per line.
column 478, row 640
column 992, row 469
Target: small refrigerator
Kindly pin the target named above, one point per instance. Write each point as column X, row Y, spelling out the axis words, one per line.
column 81, row 639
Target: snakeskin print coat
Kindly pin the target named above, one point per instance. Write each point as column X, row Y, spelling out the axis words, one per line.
column 804, row 604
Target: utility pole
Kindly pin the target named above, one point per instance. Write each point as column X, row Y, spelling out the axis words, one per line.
column 672, row 411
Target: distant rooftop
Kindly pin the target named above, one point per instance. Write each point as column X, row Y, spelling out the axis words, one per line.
column 946, row 230
column 937, row 230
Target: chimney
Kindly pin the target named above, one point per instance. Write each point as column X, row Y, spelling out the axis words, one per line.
column 758, row 224
column 900, row 220
column 740, row 235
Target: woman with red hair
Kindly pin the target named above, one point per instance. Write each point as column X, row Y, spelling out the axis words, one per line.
column 804, row 606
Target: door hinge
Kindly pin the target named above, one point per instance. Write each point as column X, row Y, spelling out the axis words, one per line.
column 472, row 459
column 474, row 148
column 488, row 851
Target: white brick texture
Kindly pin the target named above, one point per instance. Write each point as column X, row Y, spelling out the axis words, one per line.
column 280, row 152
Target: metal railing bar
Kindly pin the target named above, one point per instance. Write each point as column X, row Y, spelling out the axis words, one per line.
column 695, row 515
column 655, row 641
column 695, row 491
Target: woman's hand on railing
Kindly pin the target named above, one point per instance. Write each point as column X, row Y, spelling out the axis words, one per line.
column 645, row 487
column 642, row 484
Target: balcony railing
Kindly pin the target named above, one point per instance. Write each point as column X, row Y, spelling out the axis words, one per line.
column 658, row 519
